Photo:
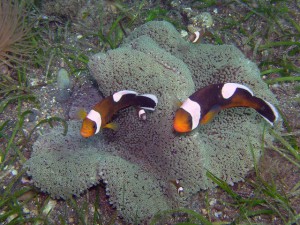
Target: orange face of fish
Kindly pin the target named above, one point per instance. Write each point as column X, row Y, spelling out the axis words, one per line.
column 182, row 121
column 88, row 128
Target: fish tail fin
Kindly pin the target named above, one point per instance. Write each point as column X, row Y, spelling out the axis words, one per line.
column 147, row 101
column 267, row 110
column 244, row 98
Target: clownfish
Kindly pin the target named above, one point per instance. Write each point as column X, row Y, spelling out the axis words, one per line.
column 204, row 104
column 103, row 111
column 178, row 187
column 195, row 37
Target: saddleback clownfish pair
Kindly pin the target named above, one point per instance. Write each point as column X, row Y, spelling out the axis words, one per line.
column 199, row 108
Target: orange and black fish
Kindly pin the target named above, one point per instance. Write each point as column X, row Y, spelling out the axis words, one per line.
column 195, row 37
column 204, row 104
column 198, row 36
column 103, row 111
column 178, row 187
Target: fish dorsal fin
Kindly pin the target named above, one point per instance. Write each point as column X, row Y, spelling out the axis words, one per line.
column 210, row 114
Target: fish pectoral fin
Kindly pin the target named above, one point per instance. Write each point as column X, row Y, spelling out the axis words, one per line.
column 81, row 114
column 177, row 103
column 210, row 115
column 112, row 125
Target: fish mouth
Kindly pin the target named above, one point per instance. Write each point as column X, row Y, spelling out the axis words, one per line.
column 181, row 129
column 85, row 134
column 180, row 125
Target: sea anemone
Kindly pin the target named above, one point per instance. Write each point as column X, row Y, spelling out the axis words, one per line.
column 140, row 163
column 15, row 34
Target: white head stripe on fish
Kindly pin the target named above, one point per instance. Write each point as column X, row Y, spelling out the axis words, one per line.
column 276, row 114
column 96, row 117
column 197, row 36
column 228, row 89
column 194, row 109
column 153, row 97
column 118, row 95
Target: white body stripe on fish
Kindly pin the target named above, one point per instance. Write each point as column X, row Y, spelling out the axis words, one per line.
column 118, row 95
column 228, row 89
column 194, row 109
column 96, row 117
